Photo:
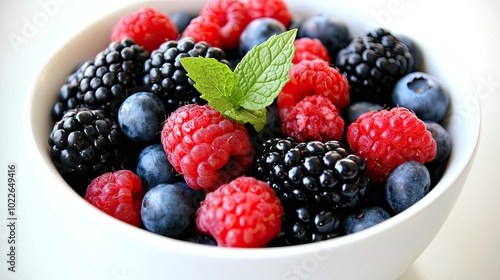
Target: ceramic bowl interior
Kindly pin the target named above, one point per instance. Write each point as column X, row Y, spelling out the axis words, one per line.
column 384, row 251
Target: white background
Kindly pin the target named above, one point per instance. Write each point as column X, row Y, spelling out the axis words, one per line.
column 468, row 246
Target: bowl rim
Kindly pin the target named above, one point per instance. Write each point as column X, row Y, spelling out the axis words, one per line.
column 183, row 247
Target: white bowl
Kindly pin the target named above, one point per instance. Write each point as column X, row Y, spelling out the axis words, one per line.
column 108, row 248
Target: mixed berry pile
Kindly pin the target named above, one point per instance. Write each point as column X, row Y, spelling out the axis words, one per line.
column 241, row 127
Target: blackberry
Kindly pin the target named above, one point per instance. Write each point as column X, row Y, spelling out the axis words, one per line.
column 194, row 236
column 317, row 183
column 166, row 77
column 373, row 64
column 84, row 144
column 104, row 81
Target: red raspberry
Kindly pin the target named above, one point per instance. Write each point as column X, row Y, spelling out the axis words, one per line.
column 208, row 149
column 309, row 49
column 388, row 138
column 205, row 28
column 309, row 77
column 147, row 27
column 232, row 18
column 242, row 213
column 276, row 9
column 118, row 194
column 313, row 118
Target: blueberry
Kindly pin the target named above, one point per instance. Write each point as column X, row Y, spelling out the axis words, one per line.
column 167, row 209
column 258, row 31
column 365, row 218
column 352, row 112
column 444, row 145
column 443, row 142
column 423, row 94
column 181, row 19
column 406, row 185
column 141, row 115
column 415, row 50
column 332, row 32
column 154, row 168
column 196, row 196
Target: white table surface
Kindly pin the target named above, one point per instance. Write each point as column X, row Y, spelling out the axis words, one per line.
column 467, row 247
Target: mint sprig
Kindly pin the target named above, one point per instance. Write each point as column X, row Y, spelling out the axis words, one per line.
column 244, row 94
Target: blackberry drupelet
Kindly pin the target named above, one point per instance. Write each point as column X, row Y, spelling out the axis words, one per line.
column 84, row 144
column 316, row 182
column 167, row 78
column 104, row 81
column 373, row 64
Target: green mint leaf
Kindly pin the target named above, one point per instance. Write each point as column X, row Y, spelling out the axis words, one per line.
column 256, row 117
column 263, row 71
column 244, row 94
column 214, row 80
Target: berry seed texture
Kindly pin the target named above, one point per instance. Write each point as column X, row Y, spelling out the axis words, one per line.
column 250, row 126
